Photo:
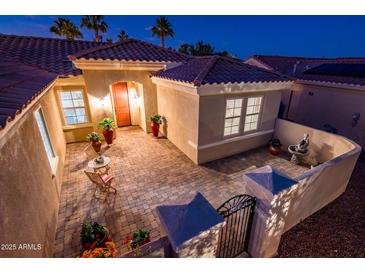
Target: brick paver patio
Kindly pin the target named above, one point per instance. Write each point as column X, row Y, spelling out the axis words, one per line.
column 148, row 172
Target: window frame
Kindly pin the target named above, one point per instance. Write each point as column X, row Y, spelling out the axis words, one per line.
column 241, row 131
column 86, row 106
column 225, row 118
column 53, row 159
column 259, row 113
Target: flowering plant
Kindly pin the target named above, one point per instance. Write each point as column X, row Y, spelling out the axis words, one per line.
column 108, row 252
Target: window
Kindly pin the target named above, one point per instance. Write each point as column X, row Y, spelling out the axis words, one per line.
column 233, row 116
column 44, row 134
column 252, row 113
column 73, row 106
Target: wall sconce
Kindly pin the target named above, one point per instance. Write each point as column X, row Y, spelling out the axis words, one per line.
column 137, row 99
column 355, row 118
column 102, row 102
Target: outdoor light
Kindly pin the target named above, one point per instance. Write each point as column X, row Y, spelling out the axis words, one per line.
column 102, row 102
column 137, row 99
column 355, row 118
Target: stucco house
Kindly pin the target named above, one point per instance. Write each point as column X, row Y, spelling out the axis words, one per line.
column 55, row 91
column 328, row 93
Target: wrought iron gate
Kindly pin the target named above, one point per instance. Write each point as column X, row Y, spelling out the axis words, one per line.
column 234, row 236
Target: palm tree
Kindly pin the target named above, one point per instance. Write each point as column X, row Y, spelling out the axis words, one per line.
column 95, row 23
column 122, row 35
column 64, row 27
column 109, row 41
column 163, row 28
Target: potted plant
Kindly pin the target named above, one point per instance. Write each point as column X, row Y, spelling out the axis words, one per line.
column 107, row 124
column 93, row 235
column 139, row 238
column 109, row 251
column 275, row 146
column 155, row 120
column 94, row 138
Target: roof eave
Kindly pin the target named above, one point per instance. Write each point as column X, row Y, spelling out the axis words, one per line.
column 331, row 84
column 174, row 84
column 243, row 87
column 101, row 64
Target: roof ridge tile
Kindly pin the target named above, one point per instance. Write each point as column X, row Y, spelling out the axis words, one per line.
column 201, row 76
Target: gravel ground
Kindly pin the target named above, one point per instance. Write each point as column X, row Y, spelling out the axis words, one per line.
column 338, row 230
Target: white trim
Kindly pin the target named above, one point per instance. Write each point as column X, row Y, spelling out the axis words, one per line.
column 241, row 88
column 259, row 119
column 70, row 81
column 77, row 126
column 330, row 84
column 53, row 162
column 85, row 106
column 190, row 88
column 235, row 139
column 119, row 65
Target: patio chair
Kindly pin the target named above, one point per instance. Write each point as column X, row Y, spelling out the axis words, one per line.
column 103, row 184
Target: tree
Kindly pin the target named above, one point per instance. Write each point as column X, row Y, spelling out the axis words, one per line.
column 201, row 49
column 109, row 41
column 64, row 27
column 122, row 35
column 162, row 29
column 95, row 23
column 184, row 49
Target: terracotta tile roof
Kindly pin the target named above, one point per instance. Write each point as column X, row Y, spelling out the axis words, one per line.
column 49, row 54
column 131, row 50
column 19, row 86
column 217, row 70
column 302, row 68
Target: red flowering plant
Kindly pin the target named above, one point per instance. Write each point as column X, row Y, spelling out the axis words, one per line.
column 93, row 235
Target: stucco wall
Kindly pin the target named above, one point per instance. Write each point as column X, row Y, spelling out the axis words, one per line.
column 180, row 111
column 321, row 185
column 98, row 84
column 322, row 145
column 213, row 145
column 313, row 189
column 316, row 106
column 29, row 193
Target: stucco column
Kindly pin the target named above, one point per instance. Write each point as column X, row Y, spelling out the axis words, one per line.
column 270, row 187
column 193, row 228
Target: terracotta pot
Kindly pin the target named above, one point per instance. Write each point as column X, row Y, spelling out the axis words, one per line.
column 96, row 145
column 155, row 128
column 139, row 244
column 108, row 135
column 274, row 150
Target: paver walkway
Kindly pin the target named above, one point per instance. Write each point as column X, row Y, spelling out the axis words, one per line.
column 148, row 172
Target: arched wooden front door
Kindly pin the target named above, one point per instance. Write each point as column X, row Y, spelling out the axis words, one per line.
column 121, row 104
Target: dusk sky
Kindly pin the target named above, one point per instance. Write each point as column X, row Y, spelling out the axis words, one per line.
column 242, row 36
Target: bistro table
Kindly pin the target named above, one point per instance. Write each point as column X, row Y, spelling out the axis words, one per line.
column 101, row 168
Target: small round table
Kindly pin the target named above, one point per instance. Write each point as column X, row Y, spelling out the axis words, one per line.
column 101, row 168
